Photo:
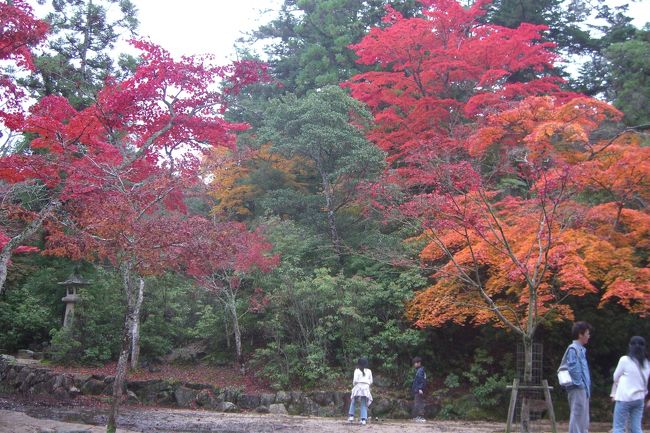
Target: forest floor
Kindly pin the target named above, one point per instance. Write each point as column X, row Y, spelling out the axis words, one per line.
column 43, row 417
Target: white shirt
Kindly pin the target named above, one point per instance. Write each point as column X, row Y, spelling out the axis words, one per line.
column 631, row 382
column 365, row 377
column 361, row 384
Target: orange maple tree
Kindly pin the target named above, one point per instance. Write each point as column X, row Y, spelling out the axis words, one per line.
column 556, row 208
column 232, row 171
column 510, row 189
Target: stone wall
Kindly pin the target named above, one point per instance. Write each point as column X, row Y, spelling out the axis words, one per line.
column 35, row 380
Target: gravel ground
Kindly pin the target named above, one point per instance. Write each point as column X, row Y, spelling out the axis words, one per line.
column 23, row 417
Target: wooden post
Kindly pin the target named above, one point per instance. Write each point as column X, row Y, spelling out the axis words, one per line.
column 513, row 403
column 549, row 405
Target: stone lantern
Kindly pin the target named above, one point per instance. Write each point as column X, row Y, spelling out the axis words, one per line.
column 73, row 282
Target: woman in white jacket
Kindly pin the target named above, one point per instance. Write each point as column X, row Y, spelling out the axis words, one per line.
column 361, row 390
column 630, row 387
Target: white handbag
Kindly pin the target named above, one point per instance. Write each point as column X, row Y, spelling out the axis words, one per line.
column 563, row 377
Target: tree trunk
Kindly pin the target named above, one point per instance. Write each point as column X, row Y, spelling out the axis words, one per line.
column 122, row 363
column 527, row 380
column 329, row 206
column 120, row 373
column 232, row 306
column 135, row 326
column 5, row 253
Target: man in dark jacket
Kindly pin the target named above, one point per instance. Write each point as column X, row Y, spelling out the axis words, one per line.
column 419, row 384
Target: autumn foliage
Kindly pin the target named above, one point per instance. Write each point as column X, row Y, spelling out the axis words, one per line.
column 558, row 215
column 512, row 190
column 20, row 33
column 437, row 72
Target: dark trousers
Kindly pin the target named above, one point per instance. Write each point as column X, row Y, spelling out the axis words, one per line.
column 418, row 405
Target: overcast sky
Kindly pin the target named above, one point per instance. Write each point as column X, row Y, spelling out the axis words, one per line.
column 202, row 26
column 212, row 26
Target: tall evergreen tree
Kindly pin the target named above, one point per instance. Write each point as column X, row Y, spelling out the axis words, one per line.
column 78, row 56
column 313, row 38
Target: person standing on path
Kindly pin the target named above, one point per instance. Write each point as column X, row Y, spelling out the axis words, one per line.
column 417, row 389
column 579, row 391
column 631, row 387
column 361, row 391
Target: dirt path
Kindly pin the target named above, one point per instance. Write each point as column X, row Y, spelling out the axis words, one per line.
column 19, row 422
column 39, row 419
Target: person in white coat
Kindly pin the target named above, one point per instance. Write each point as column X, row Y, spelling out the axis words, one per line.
column 361, row 391
column 631, row 387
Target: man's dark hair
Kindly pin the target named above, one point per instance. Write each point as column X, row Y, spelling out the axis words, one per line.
column 579, row 328
column 417, row 359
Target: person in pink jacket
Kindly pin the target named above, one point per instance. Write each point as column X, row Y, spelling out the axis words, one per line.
column 631, row 387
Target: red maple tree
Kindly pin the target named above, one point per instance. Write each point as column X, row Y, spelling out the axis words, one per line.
column 494, row 176
column 120, row 167
column 437, row 73
column 21, row 32
column 222, row 256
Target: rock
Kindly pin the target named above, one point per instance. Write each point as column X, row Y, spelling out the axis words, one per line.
column 402, row 409
column 231, row 394
column 431, row 409
column 309, row 407
column 108, row 384
column 38, row 355
column 25, row 354
column 131, row 397
column 248, row 401
column 185, row 396
column 191, row 353
column 21, row 376
column 93, row 387
column 58, row 381
column 208, row 400
column 7, row 359
column 74, row 391
column 152, row 391
column 61, row 393
column 80, row 379
column 43, row 387
column 278, row 409
column 267, row 399
column 66, row 430
column 26, row 383
column 10, row 376
column 342, row 400
column 296, row 396
column 262, row 409
column 381, row 406
column 282, row 397
column 227, row 406
column 322, row 398
column 165, row 397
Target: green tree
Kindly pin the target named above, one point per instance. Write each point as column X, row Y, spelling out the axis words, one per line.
column 313, row 38
column 78, row 55
column 564, row 20
column 628, row 77
column 326, row 127
column 317, row 322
